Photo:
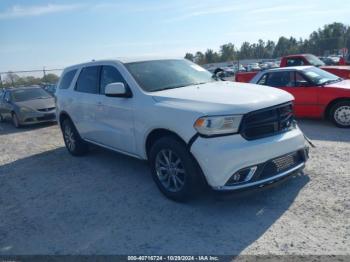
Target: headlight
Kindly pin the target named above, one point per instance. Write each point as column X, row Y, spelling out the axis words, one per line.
column 25, row 110
column 218, row 125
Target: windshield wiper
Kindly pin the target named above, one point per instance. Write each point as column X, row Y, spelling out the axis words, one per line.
column 332, row 81
column 171, row 87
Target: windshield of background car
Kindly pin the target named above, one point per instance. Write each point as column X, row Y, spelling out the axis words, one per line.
column 159, row 75
column 313, row 60
column 319, row 76
column 29, row 94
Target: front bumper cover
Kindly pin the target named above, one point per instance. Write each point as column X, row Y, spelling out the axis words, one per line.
column 294, row 169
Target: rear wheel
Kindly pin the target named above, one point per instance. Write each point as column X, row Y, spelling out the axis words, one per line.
column 74, row 143
column 15, row 120
column 174, row 169
column 340, row 114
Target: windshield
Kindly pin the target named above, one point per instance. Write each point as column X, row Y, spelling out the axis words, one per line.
column 159, row 75
column 29, row 94
column 313, row 60
column 319, row 76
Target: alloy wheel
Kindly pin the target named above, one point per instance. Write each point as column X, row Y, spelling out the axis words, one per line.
column 69, row 137
column 342, row 115
column 170, row 170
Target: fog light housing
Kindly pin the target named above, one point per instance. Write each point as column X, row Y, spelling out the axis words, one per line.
column 243, row 175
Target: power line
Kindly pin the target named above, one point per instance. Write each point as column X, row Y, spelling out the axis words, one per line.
column 32, row 71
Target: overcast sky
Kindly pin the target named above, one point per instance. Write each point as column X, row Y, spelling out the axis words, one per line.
column 55, row 34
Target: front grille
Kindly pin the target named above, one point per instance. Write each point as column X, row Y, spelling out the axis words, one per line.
column 46, row 109
column 46, row 117
column 281, row 164
column 267, row 122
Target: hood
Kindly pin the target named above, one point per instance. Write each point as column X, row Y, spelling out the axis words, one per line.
column 37, row 103
column 341, row 67
column 223, row 97
column 342, row 84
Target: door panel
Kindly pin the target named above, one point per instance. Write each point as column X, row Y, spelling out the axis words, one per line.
column 84, row 105
column 117, row 126
column 306, row 103
column 115, row 114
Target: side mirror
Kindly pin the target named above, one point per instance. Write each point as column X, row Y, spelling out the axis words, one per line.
column 117, row 89
column 303, row 84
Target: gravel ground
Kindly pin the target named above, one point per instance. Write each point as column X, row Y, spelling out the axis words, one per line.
column 106, row 203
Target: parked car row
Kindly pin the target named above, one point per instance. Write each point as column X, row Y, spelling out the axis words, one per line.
column 232, row 69
column 27, row 105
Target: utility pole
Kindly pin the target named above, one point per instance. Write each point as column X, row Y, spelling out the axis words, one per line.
column 44, row 72
column 1, row 82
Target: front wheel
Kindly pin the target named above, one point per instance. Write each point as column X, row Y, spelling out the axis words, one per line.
column 174, row 169
column 15, row 121
column 75, row 145
column 340, row 114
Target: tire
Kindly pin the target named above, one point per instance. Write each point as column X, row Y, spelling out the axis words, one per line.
column 74, row 143
column 174, row 169
column 340, row 114
column 1, row 118
column 15, row 120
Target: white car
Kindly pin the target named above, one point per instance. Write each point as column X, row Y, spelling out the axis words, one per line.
column 193, row 129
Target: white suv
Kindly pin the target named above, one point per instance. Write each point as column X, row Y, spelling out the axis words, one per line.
column 192, row 128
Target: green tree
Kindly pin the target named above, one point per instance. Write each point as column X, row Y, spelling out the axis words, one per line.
column 199, row 58
column 227, row 52
column 189, row 56
column 50, row 78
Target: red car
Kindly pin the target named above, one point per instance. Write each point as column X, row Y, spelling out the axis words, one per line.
column 317, row 93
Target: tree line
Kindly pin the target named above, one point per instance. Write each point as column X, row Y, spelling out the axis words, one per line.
column 12, row 80
column 324, row 41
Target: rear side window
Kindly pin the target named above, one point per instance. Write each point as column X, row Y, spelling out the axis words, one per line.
column 88, row 80
column 295, row 62
column 109, row 74
column 67, row 79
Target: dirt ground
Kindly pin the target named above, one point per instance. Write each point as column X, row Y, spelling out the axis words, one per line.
column 107, row 203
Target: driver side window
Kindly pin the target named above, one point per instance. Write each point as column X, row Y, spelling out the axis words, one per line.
column 110, row 74
column 300, row 80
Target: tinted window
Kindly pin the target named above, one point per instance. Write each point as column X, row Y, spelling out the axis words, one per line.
column 29, row 94
column 262, row 80
column 110, row 74
column 295, row 62
column 67, row 79
column 88, row 80
column 281, row 79
column 313, row 60
column 300, row 80
column 159, row 75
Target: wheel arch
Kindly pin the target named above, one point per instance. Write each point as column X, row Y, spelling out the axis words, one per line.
column 328, row 108
column 63, row 116
column 156, row 134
